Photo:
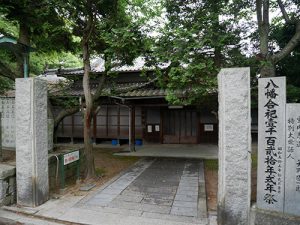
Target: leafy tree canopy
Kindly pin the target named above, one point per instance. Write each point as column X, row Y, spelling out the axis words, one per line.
column 199, row 37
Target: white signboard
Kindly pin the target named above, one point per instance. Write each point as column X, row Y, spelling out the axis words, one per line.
column 157, row 128
column 208, row 127
column 149, row 128
column 71, row 157
column 292, row 157
column 271, row 143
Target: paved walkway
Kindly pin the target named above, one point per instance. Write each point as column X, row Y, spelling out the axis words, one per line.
column 154, row 191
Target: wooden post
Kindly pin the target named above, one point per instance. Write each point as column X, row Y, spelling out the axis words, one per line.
column 161, row 126
column 72, row 130
column 95, row 128
column 132, row 128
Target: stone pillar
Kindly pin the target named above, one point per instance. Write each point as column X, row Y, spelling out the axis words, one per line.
column 234, row 187
column 271, row 143
column 31, row 142
column 292, row 160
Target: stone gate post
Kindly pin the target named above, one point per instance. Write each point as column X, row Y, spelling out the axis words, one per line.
column 234, row 190
column 31, row 141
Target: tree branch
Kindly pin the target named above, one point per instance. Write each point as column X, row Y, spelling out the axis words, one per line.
column 99, row 87
column 284, row 13
column 290, row 45
column 7, row 72
column 266, row 7
column 63, row 113
column 259, row 12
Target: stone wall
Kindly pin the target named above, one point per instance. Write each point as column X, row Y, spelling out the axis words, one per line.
column 7, row 108
column 7, row 184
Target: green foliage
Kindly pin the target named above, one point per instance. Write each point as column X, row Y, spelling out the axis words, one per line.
column 211, row 164
column 46, row 29
column 5, row 84
column 281, row 33
column 51, row 60
column 100, row 172
column 8, row 28
column 293, row 94
column 197, row 43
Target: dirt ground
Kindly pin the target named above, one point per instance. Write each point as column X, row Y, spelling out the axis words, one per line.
column 107, row 166
column 9, row 156
column 211, row 180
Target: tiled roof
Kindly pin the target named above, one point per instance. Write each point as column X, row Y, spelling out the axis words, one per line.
column 97, row 66
column 141, row 89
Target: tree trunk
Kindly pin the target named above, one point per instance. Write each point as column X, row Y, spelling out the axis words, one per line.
column 88, row 146
column 218, row 57
column 268, row 69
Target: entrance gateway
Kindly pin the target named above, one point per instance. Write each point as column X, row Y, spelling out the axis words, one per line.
column 278, row 183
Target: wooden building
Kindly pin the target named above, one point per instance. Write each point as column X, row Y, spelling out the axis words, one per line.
column 134, row 108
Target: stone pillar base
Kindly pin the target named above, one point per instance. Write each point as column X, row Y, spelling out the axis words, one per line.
column 265, row 217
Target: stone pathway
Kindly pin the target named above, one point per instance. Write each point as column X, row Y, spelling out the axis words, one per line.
column 160, row 191
column 172, row 189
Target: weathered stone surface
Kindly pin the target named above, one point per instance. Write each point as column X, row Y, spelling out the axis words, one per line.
column 264, row 217
column 271, row 143
column 292, row 157
column 7, row 171
column 50, row 134
column 234, row 146
column 3, row 188
column 7, row 200
column 31, row 142
column 7, row 184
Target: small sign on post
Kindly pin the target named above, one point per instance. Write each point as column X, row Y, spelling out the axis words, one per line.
column 71, row 157
column 66, row 159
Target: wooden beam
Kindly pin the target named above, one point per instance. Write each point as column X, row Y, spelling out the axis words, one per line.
column 95, row 128
column 132, row 128
column 161, row 125
column 72, row 129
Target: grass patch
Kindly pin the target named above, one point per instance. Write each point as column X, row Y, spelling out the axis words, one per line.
column 254, row 160
column 109, row 153
column 211, row 164
column 100, row 172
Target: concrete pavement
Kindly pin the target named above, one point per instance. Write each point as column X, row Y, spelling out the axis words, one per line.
column 153, row 191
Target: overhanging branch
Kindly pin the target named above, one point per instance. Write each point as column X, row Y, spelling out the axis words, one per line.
column 7, row 72
column 290, row 45
column 284, row 13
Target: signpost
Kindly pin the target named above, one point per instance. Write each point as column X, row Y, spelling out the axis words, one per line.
column 67, row 159
column 271, row 143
